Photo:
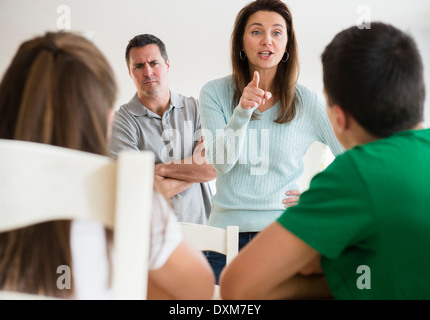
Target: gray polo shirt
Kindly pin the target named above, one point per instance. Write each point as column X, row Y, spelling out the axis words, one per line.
column 171, row 137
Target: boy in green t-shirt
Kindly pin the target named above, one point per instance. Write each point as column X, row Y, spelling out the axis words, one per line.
column 362, row 230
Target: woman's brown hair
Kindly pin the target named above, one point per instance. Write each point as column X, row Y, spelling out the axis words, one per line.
column 287, row 72
column 58, row 90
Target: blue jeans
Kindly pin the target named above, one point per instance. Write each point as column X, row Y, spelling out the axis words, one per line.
column 217, row 260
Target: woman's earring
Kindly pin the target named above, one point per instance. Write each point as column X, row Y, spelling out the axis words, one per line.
column 285, row 59
column 242, row 55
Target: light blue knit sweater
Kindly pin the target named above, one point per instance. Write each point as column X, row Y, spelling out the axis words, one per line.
column 257, row 161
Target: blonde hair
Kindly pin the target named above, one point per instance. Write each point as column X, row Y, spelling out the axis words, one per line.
column 58, row 90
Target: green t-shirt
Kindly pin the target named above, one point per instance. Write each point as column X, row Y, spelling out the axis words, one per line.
column 368, row 214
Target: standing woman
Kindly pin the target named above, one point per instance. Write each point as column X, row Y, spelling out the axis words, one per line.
column 258, row 124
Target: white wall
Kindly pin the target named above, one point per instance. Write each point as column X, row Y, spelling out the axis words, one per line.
column 196, row 38
column 197, row 33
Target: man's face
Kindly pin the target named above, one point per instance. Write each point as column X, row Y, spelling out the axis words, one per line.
column 148, row 70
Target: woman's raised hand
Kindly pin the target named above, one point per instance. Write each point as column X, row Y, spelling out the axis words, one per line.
column 253, row 96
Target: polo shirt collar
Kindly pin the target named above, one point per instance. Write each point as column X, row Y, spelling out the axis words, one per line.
column 136, row 107
column 176, row 101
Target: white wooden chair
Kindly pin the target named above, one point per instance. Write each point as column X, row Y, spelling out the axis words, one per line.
column 207, row 238
column 316, row 159
column 41, row 183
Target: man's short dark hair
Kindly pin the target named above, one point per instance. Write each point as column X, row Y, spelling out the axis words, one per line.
column 376, row 75
column 144, row 40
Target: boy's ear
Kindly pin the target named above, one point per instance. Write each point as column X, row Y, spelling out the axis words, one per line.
column 341, row 118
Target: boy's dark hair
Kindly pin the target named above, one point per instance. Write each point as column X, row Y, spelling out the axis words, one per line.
column 144, row 40
column 376, row 75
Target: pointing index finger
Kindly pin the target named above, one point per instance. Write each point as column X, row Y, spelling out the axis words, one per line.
column 256, row 79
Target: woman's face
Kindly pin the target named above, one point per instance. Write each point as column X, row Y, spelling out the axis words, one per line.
column 265, row 40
